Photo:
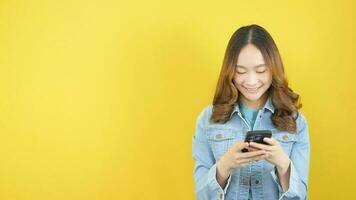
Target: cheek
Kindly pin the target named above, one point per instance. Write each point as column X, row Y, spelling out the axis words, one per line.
column 238, row 79
column 267, row 78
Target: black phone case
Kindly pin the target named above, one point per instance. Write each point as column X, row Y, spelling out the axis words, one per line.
column 257, row 136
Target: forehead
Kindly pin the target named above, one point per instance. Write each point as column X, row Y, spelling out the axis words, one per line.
column 250, row 56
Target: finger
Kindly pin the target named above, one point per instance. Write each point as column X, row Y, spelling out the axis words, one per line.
column 252, row 154
column 240, row 145
column 249, row 149
column 252, row 149
column 270, row 141
column 247, row 160
column 260, row 146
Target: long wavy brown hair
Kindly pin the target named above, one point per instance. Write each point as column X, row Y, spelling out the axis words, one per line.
column 285, row 101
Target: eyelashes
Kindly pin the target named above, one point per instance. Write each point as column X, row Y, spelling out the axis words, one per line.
column 259, row 72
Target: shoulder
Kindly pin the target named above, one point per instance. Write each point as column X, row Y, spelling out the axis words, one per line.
column 205, row 114
column 302, row 122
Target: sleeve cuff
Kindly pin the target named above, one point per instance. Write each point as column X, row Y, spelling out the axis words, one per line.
column 293, row 182
column 213, row 183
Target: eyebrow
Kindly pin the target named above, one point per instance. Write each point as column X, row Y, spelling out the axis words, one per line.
column 260, row 65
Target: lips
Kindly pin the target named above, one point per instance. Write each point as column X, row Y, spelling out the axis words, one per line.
column 252, row 90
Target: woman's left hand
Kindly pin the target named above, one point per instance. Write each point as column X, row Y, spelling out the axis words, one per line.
column 275, row 154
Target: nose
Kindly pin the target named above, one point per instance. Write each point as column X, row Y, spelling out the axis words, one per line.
column 251, row 81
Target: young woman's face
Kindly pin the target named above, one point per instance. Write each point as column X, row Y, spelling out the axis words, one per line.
column 252, row 77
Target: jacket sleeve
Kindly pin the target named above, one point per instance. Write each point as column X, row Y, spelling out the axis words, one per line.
column 206, row 186
column 299, row 167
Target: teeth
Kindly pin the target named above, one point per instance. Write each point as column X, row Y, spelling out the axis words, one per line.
column 251, row 88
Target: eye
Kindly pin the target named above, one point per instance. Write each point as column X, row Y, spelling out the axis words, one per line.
column 260, row 72
column 240, row 72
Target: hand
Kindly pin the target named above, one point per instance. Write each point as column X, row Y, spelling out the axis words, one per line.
column 234, row 158
column 249, row 149
column 274, row 153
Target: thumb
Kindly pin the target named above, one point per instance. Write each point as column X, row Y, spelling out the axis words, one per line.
column 241, row 145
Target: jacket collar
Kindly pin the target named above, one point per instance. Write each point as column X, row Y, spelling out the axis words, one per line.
column 268, row 105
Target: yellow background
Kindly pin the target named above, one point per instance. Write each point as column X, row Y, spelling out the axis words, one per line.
column 99, row 99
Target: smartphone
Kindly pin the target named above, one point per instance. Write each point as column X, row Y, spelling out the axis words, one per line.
column 257, row 136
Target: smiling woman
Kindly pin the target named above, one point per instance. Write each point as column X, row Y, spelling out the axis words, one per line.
column 253, row 85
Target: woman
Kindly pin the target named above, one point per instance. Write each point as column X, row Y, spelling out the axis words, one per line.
column 252, row 94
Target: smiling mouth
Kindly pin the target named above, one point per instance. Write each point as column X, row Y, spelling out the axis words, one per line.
column 252, row 89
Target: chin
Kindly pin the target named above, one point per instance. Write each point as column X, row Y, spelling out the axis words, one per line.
column 252, row 97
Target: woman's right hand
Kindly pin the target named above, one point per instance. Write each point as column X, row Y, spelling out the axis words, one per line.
column 234, row 158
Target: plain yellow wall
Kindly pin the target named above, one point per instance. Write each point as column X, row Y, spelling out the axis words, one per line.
column 99, row 99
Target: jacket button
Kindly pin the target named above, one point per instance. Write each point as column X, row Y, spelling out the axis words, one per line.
column 221, row 196
column 257, row 182
column 218, row 136
column 285, row 137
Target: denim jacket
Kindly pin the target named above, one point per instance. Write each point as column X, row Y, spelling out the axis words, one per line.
column 212, row 140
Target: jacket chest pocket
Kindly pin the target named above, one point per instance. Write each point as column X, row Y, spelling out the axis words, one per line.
column 286, row 140
column 220, row 140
